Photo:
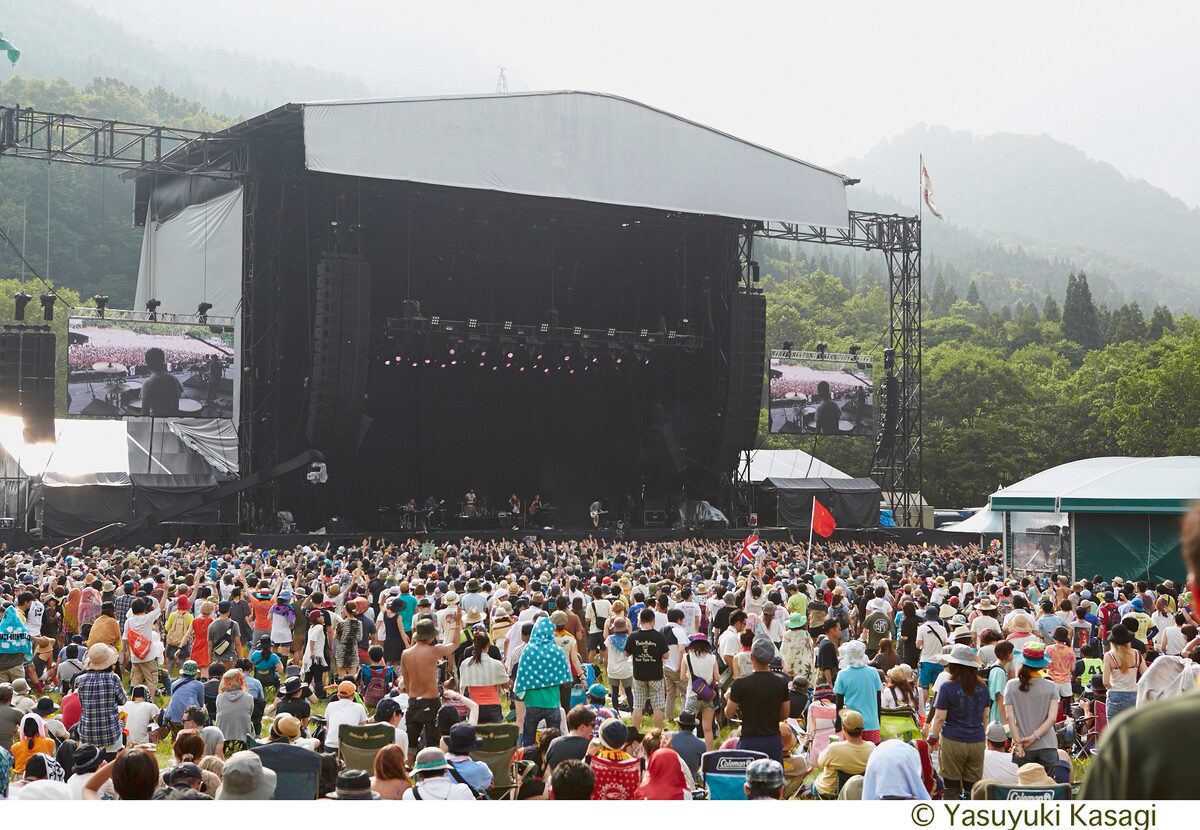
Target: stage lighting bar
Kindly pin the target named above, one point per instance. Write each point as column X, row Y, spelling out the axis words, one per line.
column 545, row 334
column 862, row 360
column 216, row 323
column 20, row 300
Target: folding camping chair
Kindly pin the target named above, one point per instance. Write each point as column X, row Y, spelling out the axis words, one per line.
column 358, row 745
column 615, row 780
column 497, row 750
column 298, row 770
column 822, row 715
column 724, row 772
column 1010, row 792
column 900, row 724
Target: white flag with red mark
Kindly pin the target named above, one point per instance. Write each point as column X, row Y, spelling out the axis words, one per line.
column 927, row 193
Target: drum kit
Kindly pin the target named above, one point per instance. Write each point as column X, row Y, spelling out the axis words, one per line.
column 125, row 395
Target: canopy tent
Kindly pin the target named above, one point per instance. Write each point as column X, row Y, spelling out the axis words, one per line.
column 854, row 502
column 983, row 523
column 99, row 472
column 765, row 464
column 1124, row 512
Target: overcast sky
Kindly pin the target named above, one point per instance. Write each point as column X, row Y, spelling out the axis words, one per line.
column 822, row 81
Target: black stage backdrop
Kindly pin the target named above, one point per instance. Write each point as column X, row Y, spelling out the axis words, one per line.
column 497, row 257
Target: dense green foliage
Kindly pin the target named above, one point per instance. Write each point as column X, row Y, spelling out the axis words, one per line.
column 1007, row 391
column 92, row 246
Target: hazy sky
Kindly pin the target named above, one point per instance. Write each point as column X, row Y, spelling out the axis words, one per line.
column 822, row 81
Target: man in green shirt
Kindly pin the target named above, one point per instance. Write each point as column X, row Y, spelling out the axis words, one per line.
column 797, row 601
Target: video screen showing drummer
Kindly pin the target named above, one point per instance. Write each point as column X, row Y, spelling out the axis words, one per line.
column 124, row 368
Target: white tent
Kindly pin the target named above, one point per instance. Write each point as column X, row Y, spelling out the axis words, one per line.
column 983, row 522
column 783, row 464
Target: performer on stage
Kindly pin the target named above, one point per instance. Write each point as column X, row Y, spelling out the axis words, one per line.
column 469, row 503
column 596, row 511
column 535, row 506
column 514, row 504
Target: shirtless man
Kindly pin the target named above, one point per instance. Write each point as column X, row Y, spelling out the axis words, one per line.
column 419, row 666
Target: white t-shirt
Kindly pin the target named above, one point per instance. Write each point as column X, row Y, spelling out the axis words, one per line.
column 33, row 620
column 339, row 712
column 729, row 643
column 691, row 616
column 879, row 604
column 138, row 716
column 281, row 630
column 703, row 665
column 984, row 623
column 999, row 766
column 596, row 611
column 674, row 649
column 932, row 637
column 620, row 664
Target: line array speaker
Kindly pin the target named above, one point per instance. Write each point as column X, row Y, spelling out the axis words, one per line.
column 747, row 364
column 27, row 374
column 337, row 385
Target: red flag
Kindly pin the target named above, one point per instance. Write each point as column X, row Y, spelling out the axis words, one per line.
column 822, row 521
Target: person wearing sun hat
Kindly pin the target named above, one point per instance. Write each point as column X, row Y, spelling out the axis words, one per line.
column 431, row 781
column 960, row 711
column 1031, row 708
column 244, row 778
column 796, row 650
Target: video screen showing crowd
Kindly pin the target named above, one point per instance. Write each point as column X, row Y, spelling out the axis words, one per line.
column 129, row 369
column 821, row 395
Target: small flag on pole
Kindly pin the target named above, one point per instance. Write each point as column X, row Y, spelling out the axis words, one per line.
column 927, row 193
column 748, row 553
column 13, row 52
column 822, row 521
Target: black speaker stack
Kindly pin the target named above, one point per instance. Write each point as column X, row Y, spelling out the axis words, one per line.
column 747, row 365
column 27, row 379
column 337, row 385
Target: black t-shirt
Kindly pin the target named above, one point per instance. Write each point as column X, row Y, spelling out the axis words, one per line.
column 565, row 748
column 827, row 656
column 759, row 695
column 646, row 649
column 295, row 706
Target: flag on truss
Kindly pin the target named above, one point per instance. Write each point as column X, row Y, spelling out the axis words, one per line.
column 927, row 192
column 13, row 52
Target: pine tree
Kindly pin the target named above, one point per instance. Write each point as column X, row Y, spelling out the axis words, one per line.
column 973, row 294
column 1080, row 317
column 1161, row 322
column 1050, row 309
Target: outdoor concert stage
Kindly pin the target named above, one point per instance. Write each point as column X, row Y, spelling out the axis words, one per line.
column 540, row 293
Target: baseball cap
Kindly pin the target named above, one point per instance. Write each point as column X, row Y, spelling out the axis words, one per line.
column 851, row 720
column 597, row 690
column 996, row 733
column 347, row 689
column 613, row 734
column 386, row 709
column 763, row 650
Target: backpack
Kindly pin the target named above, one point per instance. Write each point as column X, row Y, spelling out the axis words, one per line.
column 1109, row 616
column 599, row 620
column 377, row 686
column 177, row 629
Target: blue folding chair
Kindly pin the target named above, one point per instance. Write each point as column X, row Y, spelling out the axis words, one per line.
column 1010, row 792
column 724, row 772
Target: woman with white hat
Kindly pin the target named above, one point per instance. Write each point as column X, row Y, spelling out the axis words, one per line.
column 961, row 711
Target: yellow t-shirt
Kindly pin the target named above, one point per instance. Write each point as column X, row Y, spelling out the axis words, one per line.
column 841, row 757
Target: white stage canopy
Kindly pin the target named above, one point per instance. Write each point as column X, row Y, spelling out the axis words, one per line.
column 570, row 145
column 766, row 464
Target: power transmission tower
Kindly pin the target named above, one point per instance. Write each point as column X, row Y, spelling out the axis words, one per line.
column 502, row 81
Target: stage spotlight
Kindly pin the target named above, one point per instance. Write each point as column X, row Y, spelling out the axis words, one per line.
column 544, row 328
column 152, row 306
column 101, row 301
column 889, row 359
column 612, row 332
column 787, row 345
column 20, row 300
column 644, row 333
column 855, row 349
column 754, row 271
column 472, row 323
column 202, row 312
column 508, row 325
column 578, row 330
column 821, row 351
column 47, row 301
column 435, row 320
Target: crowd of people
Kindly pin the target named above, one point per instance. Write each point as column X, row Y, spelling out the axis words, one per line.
column 854, row 671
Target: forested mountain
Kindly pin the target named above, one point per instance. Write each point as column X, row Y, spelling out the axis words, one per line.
column 1044, row 203
column 67, row 39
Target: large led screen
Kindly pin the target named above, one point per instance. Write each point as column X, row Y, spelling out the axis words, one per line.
column 812, row 396
column 128, row 369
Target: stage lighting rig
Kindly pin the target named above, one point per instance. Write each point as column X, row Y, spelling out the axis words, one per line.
column 755, row 274
column 821, row 349
column 889, row 359
column 855, row 349
column 787, row 345
column 20, row 300
column 152, row 306
column 47, row 301
column 202, row 312
column 101, row 301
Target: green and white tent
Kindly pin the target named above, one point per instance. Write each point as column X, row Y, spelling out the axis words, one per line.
column 1124, row 513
